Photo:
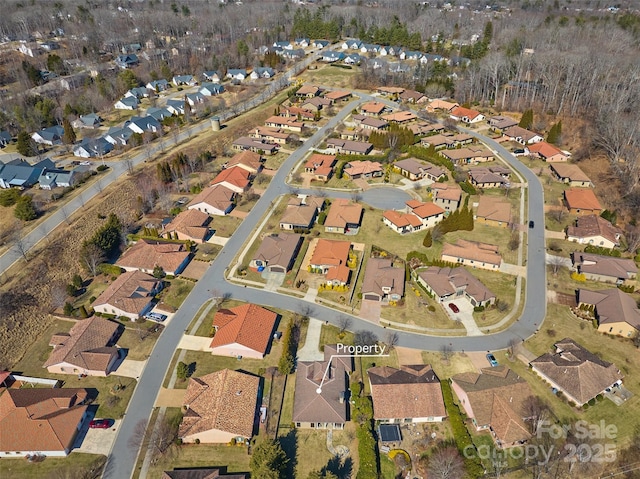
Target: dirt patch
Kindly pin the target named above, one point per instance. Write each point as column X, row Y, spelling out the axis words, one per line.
column 409, row 356
column 170, row 397
column 239, row 214
column 195, row 270
column 566, row 299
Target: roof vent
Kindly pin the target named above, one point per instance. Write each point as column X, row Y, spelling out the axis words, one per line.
column 238, row 393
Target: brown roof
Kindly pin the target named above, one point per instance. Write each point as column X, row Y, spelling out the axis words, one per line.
column 498, row 398
column 342, row 213
column 583, row 199
column 424, row 210
column 569, row 171
column 337, row 94
column 411, row 95
column 131, row 292
column 330, row 252
column 86, row 346
column 225, row 401
column 373, row 107
column 442, row 105
column 373, row 122
column 284, row 121
column 468, row 152
column 219, row 197
column 402, row 219
column 400, row 116
column 390, row 89
column 413, row 166
column 409, row 392
column 612, row 306
column 299, row 215
column 213, row 473
column 249, row 325
column 361, row 147
column 544, row 149
column 309, row 406
column 447, row 281
column 580, row 373
column 460, row 112
column 519, row 132
column 308, row 90
column 605, row 265
column 379, row 274
column 446, row 192
column 236, row 176
column 494, row 209
column 316, row 101
column 502, row 122
column 247, row 158
column 147, row 254
column 485, row 176
column 257, row 143
column 594, row 225
column 40, row 419
column 278, row 250
column 473, row 250
column 362, row 167
column 191, row 223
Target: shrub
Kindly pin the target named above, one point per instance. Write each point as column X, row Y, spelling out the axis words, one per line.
column 182, row 371
column 602, row 251
column 580, row 277
column 478, row 309
column 592, row 402
column 68, row 309
column 322, row 217
column 110, row 270
column 9, row 197
column 102, row 168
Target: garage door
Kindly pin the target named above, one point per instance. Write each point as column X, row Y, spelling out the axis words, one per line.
column 277, row 269
column 372, row 297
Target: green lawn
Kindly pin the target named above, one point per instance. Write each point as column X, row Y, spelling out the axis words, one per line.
column 330, row 75
column 273, row 162
column 76, row 464
column 93, row 290
column 225, row 226
column 139, row 340
column 330, row 334
column 177, row 291
column 504, row 287
column 563, row 283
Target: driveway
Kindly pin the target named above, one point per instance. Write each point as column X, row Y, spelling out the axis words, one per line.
column 371, row 310
column 130, row 368
column 96, row 441
column 465, row 315
column 195, row 343
column 274, row 280
column 311, row 349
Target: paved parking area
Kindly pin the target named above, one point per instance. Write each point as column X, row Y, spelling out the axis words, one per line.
column 311, row 349
column 195, row 343
column 130, row 368
column 96, row 441
column 274, row 280
column 465, row 315
column 370, row 310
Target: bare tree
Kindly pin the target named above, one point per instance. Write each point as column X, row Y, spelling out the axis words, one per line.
column 21, row 246
column 446, row 463
column 446, row 351
column 364, row 338
column 555, row 263
column 632, row 238
column 128, row 162
column 356, row 196
column 436, row 234
column 92, row 257
column 344, row 322
column 391, row 339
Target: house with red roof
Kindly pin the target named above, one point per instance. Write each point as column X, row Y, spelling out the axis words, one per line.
column 330, row 258
column 402, row 223
column 466, row 115
column 581, row 201
column 547, row 152
column 429, row 213
column 243, row 331
column 237, row 179
column 321, row 166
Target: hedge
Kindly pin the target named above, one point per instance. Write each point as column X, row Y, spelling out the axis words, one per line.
column 601, row 251
column 362, row 413
column 431, row 155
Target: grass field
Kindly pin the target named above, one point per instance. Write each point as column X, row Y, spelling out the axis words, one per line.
column 330, row 75
column 176, row 293
column 225, row 226
column 76, row 464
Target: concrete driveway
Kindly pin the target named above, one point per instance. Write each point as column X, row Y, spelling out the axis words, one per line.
column 195, row 343
column 311, row 349
column 274, row 280
column 130, row 368
column 96, row 441
column 465, row 315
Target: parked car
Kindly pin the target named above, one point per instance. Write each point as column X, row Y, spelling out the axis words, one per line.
column 156, row 316
column 100, row 424
column 492, row 360
column 531, row 224
column 453, row 308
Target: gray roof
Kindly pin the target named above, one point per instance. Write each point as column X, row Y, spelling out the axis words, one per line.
column 380, row 273
column 130, row 101
column 21, row 173
column 278, row 250
column 446, row 281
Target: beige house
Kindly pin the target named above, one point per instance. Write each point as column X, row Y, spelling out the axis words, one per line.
column 191, row 225
column 277, row 253
column 616, row 312
column 145, row 255
column 88, row 348
column 298, row 216
column 522, row 135
column 606, row 269
column 215, row 200
column 383, row 281
column 284, row 123
column 472, row 253
column 248, row 160
column 220, row 408
column 594, row 230
column 468, row 155
column 446, row 284
column 570, row 174
column 547, row 152
column 416, row 170
column 130, row 295
column 270, row 135
column 402, row 223
column 582, row 202
column 344, row 217
column 493, row 212
column 447, row 197
column 429, row 213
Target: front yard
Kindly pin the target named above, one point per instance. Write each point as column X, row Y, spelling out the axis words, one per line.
column 76, row 464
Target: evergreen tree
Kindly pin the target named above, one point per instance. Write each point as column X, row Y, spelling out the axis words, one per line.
column 107, row 238
column 554, row 135
column 428, row 241
column 527, row 120
column 25, row 210
column 268, row 460
column 25, row 144
column 69, row 136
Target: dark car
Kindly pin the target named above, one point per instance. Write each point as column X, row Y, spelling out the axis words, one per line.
column 531, row 224
column 492, row 360
column 100, row 424
column 453, row 308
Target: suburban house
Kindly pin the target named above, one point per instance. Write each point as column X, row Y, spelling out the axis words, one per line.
column 175, row 106
column 188, row 80
column 194, row 99
column 472, row 253
column 349, row 147
column 331, row 56
column 446, row 196
column 370, row 123
column 330, row 258
column 616, row 312
column 402, row 222
column 322, row 392
column 214, row 200
column 570, row 174
column 127, row 61
column 595, row 230
column 88, row 348
column 92, row 120
column 352, row 59
column 142, row 125
column 281, row 122
column 411, row 394
column 501, row 123
column 262, row 72
column 270, row 135
column 382, row 281
column 446, row 284
column 5, row 138
column 41, row 421
column 400, row 117
column 320, row 43
column 236, row 179
column 442, row 105
column 485, row 178
column 440, row 141
column 338, row 95
column 130, row 295
column 295, row 112
column 429, row 213
column 247, row 160
column 582, row 202
column 158, row 85
column 189, row 225
column 19, row 173
column 374, row 108
column 547, row 152
column 352, row 44
column 579, row 374
column 362, row 169
column 138, row 92
column 220, row 407
column 127, row 103
column 118, row 136
column 92, row 147
column 277, row 252
column 493, row 211
column 145, row 255
column 49, row 136
column 244, row 331
column 211, row 89
column 316, row 103
column 50, row 179
column 413, row 96
column 308, row 91
column 212, row 76
column 343, row 217
column 200, row 473
column 259, row 146
column 417, row 170
column 495, row 400
column 298, row 215
column 321, row 166
column 422, row 128
column 237, row 74
column 468, row 155
column 606, row 269
column 522, row 135
column 466, row 115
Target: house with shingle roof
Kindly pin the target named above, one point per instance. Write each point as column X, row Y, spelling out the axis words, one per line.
column 466, row 115
column 383, row 281
column 370, row 123
column 271, row 135
column 413, row 96
column 260, row 146
column 214, row 200
column 495, row 400
column 321, row 166
column 92, row 147
column 41, row 421
column 19, row 173
column 448, row 283
column 349, row 147
column 410, row 394
column 200, row 473
column 582, row 202
column 92, row 120
column 547, row 152
column 281, row 122
column 606, row 269
column 328, row 409
column 277, row 252
column 362, row 169
column 401, row 222
column 191, row 225
column 446, row 196
column 243, row 331
column 127, row 103
column 374, row 108
column 330, row 258
column 211, row 89
column 576, row 372
column 247, row 160
column 308, row 91
column 400, row 117
column 237, row 179
column 522, row 135
column 442, row 105
column 468, row 155
column 343, row 217
column 486, row 178
column 338, row 95
column 316, row 103
column 49, row 136
column 616, row 311
column 298, row 216
column 130, row 295
column 415, row 169
column 472, row 253
column 595, row 230
column 493, row 211
column 146, row 254
column 188, row 80
column 88, row 348
column 570, row 174
column 220, row 407
column 501, row 123
column 429, row 213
